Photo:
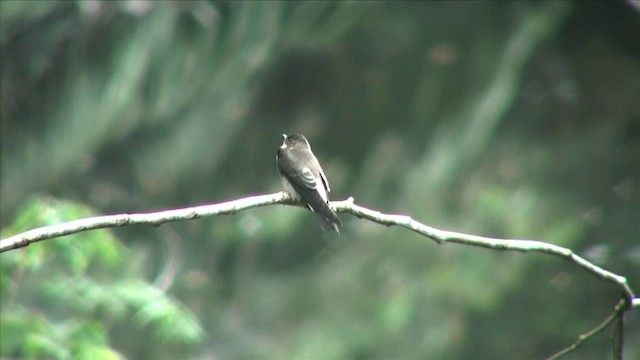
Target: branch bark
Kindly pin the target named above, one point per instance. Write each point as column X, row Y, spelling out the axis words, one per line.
column 153, row 218
column 628, row 301
column 346, row 206
column 443, row 237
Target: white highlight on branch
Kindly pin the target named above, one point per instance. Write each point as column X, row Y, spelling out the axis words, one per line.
column 152, row 218
column 346, row 206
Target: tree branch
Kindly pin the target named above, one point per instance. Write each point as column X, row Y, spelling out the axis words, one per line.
column 346, row 206
column 616, row 314
column 628, row 301
column 153, row 218
column 443, row 236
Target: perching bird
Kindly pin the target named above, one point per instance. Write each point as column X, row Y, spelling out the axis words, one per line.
column 302, row 178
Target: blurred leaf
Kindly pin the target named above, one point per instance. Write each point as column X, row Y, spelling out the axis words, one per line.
column 60, row 278
column 75, row 250
column 172, row 322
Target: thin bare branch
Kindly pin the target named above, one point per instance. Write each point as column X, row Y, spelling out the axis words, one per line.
column 617, row 312
column 443, row 237
column 345, row 206
column 628, row 301
column 153, row 218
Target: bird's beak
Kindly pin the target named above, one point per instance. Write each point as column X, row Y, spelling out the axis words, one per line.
column 284, row 136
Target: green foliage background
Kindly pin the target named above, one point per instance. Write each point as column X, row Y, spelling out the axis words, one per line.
column 504, row 119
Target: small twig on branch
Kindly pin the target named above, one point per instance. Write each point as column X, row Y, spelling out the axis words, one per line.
column 628, row 301
column 617, row 312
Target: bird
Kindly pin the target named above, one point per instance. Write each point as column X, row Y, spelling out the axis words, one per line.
column 303, row 179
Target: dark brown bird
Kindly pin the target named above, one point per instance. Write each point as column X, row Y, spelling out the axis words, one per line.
column 303, row 178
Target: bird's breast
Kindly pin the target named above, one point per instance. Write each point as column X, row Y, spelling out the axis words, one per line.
column 289, row 189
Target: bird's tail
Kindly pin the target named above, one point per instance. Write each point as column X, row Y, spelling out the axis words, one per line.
column 329, row 220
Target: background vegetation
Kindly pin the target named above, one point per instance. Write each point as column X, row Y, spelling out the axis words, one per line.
column 503, row 119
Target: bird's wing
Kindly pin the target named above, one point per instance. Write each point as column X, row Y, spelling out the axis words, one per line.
column 300, row 177
column 304, row 178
